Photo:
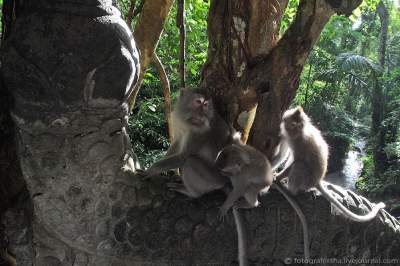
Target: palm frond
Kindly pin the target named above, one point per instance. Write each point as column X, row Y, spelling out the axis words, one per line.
column 349, row 62
column 329, row 75
column 355, row 81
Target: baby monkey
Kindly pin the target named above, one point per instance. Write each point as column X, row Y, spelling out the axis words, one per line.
column 308, row 160
column 250, row 173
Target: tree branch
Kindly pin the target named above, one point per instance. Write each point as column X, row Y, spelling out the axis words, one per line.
column 275, row 77
column 167, row 93
column 131, row 13
column 180, row 23
column 147, row 34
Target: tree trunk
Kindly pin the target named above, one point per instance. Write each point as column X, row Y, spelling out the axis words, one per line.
column 70, row 114
column 378, row 102
column 238, row 31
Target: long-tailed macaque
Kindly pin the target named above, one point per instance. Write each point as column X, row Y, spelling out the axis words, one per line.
column 250, row 173
column 199, row 135
column 309, row 160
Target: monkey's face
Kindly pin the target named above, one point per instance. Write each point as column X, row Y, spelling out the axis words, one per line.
column 293, row 122
column 195, row 110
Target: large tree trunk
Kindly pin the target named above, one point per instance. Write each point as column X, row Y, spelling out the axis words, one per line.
column 238, row 31
column 70, row 113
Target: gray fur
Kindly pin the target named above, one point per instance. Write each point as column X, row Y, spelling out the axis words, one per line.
column 249, row 171
column 199, row 134
column 309, row 160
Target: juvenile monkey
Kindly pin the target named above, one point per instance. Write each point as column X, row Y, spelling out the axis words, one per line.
column 250, row 173
column 309, row 160
column 199, row 134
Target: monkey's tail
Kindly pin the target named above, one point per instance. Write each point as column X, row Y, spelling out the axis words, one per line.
column 358, row 218
column 242, row 240
column 301, row 215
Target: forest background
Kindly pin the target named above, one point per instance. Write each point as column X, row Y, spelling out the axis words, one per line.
column 350, row 86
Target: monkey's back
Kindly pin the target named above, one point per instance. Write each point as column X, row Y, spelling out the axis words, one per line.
column 312, row 149
column 259, row 169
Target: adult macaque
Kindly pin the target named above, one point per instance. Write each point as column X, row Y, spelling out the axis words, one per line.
column 199, row 134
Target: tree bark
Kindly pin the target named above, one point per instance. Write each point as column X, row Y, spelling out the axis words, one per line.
column 238, row 31
column 275, row 78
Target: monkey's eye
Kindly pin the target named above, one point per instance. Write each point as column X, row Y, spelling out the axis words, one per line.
column 205, row 103
column 198, row 101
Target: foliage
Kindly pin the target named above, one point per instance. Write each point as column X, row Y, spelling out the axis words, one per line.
column 335, row 86
column 289, row 15
column 341, row 72
column 147, row 126
column 147, row 129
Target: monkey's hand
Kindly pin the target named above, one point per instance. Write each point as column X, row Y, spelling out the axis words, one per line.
column 223, row 211
column 150, row 172
column 166, row 164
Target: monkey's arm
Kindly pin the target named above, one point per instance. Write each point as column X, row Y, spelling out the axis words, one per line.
column 282, row 153
column 173, row 149
column 235, row 194
column 168, row 163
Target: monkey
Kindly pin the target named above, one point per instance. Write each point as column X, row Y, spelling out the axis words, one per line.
column 250, row 173
column 308, row 160
column 199, row 134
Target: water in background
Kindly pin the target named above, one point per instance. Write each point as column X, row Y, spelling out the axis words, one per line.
column 353, row 165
